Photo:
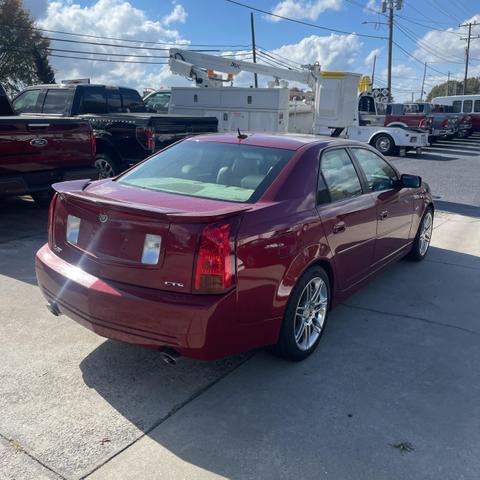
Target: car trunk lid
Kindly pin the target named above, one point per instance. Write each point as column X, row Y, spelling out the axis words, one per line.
column 114, row 222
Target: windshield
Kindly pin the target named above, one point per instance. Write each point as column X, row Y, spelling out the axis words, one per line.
column 220, row 171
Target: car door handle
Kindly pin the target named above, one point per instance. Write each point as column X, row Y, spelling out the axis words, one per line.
column 339, row 227
column 383, row 215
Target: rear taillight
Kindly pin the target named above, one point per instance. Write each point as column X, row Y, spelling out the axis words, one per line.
column 215, row 267
column 445, row 123
column 423, row 123
column 51, row 213
column 146, row 136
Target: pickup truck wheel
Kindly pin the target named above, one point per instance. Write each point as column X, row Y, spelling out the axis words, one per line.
column 105, row 165
column 305, row 316
column 384, row 144
column 43, row 199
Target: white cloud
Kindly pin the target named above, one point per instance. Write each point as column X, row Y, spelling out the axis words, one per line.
column 372, row 5
column 178, row 14
column 446, row 46
column 369, row 58
column 116, row 19
column 303, row 9
column 333, row 52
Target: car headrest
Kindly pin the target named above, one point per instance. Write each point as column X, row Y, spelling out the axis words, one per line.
column 243, row 166
column 251, row 181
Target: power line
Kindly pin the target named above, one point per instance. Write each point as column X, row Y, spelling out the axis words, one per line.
column 106, row 60
column 313, row 25
column 278, row 62
column 427, row 48
column 89, row 58
column 416, row 59
column 120, row 46
column 128, row 39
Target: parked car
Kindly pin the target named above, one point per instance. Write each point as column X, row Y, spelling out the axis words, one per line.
column 463, row 105
column 124, row 129
column 36, row 152
column 224, row 243
column 422, row 115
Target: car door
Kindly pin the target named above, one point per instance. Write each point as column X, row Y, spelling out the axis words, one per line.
column 394, row 205
column 348, row 216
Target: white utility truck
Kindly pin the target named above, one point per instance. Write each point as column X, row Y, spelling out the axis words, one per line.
column 266, row 109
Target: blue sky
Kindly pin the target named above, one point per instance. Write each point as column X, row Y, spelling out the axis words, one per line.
column 426, row 29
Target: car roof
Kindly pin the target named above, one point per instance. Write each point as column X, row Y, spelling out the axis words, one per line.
column 75, row 85
column 273, row 140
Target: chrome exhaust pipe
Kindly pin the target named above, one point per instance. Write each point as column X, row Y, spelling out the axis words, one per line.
column 169, row 356
column 53, row 308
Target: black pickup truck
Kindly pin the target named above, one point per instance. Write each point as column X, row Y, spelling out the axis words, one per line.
column 126, row 132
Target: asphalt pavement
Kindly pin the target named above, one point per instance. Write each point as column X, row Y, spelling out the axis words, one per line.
column 391, row 393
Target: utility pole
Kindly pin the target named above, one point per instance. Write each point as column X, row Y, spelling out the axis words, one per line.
column 390, row 45
column 467, row 50
column 397, row 4
column 448, row 84
column 373, row 69
column 254, row 50
column 423, row 81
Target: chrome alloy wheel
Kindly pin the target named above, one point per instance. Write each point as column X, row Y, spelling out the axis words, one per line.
column 425, row 233
column 104, row 168
column 310, row 313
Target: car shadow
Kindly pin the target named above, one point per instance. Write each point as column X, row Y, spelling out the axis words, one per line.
column 258, row 422
column 454, row 151
column 460, row 208
column 23, row 230
column 425, row 155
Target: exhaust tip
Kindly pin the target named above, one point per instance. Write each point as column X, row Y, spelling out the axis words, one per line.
column 170, row 356
column 53, row 308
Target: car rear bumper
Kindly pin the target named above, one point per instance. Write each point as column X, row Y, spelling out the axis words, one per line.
column 198, row 326
column 32, row 182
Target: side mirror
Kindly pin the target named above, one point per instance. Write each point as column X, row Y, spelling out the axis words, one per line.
column 410, row 181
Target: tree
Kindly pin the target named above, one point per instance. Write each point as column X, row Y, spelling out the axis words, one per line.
column 455, row 88
column 23, row 50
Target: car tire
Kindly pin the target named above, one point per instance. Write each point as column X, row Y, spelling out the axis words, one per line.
column 106, row 166
column 43, row 199
column 423, row 237
column 301, row 332
column 384, row 143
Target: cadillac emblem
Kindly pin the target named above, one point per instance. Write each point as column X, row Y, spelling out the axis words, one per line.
column 103, row 217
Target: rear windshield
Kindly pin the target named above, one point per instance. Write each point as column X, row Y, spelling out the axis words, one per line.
column 220, row 171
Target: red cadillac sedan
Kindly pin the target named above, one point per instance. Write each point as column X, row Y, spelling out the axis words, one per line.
column 223, row 243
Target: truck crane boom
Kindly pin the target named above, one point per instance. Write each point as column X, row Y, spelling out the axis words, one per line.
column 196, row 65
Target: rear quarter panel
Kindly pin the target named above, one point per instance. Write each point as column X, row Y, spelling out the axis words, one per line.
column 278, row 241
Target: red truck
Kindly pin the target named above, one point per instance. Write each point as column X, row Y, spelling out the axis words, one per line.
column 36, row 152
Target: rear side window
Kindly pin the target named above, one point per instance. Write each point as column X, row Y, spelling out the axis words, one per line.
column 339, row 174
column 56, row 100
column 467, row 106
column 457, row 106
column 221, row 171
column 476, row 106
column 380, row 175
column 94, row 101
column 114, row 102
column 27, row 102
column 132, row 101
